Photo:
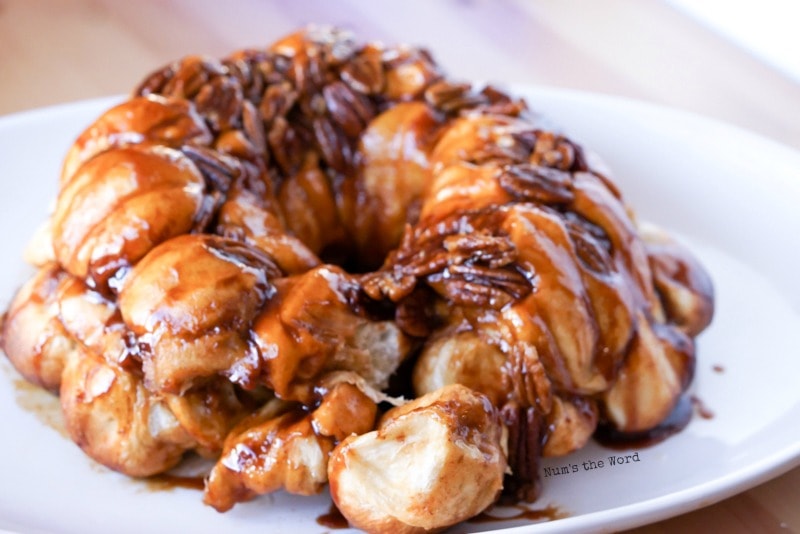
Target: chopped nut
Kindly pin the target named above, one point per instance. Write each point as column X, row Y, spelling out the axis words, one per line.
column 364, row 73
column 538, row 184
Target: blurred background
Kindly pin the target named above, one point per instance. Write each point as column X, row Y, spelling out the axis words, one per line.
column 734, row 61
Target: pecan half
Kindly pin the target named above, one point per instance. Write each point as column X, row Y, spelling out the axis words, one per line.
column 538, row 184
column 364, row 73
column 451, row 97
column 465, row 258
column 525, row 433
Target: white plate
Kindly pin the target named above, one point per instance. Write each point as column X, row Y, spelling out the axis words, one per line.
column 731, row 195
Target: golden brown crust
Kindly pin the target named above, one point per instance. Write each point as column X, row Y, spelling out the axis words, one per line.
column 116, row 420
column 191, row 302
column 151, row 120
column 120, row 204
column 33, row 337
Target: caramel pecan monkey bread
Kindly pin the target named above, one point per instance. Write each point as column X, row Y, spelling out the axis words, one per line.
column 261, row 259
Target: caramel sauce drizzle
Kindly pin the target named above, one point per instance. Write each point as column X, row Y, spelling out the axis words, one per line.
column 168, row 482
column 548, row 513
column 674, row 423
column 333, row 519
column 42, row 404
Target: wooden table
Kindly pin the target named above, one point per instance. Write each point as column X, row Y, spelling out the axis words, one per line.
column 60, row 51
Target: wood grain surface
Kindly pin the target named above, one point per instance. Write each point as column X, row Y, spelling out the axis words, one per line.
column 54, row 52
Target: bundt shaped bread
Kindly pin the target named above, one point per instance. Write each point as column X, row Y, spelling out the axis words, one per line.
column 252, row 258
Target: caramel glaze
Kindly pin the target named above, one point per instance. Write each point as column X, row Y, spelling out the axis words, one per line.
column 549, row 513
column 40, row 403
column 166, row 481
column 333, row 519
column 681, row 415
column 536, row 254
column 194, row 223
column 700, row 407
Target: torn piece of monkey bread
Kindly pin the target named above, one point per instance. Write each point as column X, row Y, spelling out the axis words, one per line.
column 431, row 463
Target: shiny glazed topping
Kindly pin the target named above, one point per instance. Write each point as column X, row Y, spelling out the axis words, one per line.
column 249, row 252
